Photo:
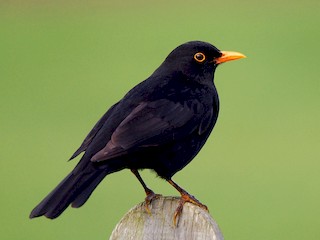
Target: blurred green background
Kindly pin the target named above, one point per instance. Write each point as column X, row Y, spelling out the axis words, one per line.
column 63, row 63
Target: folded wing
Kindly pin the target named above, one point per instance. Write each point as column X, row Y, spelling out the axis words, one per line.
column 150, row 124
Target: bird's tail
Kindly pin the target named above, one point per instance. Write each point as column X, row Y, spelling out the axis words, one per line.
column 75, row 189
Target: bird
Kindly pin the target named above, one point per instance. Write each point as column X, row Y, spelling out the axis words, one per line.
column 161, row 124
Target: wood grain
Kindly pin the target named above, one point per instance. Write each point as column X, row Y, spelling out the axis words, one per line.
column 194, row 222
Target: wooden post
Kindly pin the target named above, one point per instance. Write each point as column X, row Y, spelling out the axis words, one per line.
column 194, row 223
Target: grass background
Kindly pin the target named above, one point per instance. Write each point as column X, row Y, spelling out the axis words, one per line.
column 63, row 63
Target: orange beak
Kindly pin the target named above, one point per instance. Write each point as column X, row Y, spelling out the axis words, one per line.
column 229, row 56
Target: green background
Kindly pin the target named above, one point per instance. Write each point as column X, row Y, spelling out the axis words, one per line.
column 63, row 63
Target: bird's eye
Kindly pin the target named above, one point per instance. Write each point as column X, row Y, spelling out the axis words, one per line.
column 199, row 57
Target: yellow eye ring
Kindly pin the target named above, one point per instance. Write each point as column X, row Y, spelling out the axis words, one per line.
column 199, row 57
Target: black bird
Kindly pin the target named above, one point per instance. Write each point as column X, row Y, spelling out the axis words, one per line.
column 160, row 124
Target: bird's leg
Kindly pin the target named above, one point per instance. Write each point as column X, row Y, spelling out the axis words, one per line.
column 150, row 194
column 185, row 197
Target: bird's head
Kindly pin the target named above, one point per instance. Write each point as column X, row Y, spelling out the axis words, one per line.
column 197, row 60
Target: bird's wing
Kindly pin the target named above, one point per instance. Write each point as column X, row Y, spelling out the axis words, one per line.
column 150, row 124
column 86, row 142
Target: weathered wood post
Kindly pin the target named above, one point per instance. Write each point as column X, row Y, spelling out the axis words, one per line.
column 194, row 223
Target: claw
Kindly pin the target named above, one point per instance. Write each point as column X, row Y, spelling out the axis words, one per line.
column 186, row 197
column 177, row 213
column 150, row 196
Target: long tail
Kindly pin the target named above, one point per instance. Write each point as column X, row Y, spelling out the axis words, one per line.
column 75, row 189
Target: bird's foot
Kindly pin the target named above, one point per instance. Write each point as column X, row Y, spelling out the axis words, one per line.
column 186, row 197
column 150, row 196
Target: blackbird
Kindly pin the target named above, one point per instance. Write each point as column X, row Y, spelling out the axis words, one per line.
column 161, row 124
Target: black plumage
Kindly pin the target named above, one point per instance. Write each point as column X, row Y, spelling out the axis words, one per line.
column 161, row 124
